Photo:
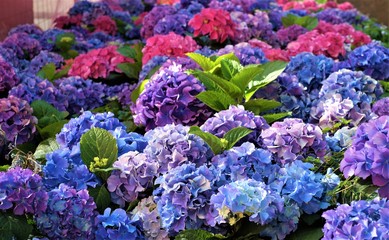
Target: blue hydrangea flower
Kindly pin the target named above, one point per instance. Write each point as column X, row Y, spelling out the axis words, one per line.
column 43, row 58
column 172, row 145
column 338, row 16
column 69, row 214
column 115, row 225
column 150, row 65
column 245, row 53
column 177, row 23
column 24, row 46
column 341, row 140
column 31, row 29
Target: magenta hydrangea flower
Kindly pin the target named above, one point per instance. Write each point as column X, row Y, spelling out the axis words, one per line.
column 170, row 97
column 293, row 139
column 16, row 120
column 22, row 191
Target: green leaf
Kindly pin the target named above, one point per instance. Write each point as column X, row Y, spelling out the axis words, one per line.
column 99, row 143
column 101, row 196
column 235, row 134
column 47, row 72
column 112, row 106
column 246, row 75
column 229, row 56
column 307, row 21
column 47, row 146
column 14, row 227
column 198, row 234
column 218, row 83
column 63, row 72
column 127, row 51
column 138, row 90
column 270, row 118
column 214, row 142
column 204, row 62
column 4, row 168
column 307, row 234
column 131, row 70
column 52, row 129
column 261, row 105
column 270, row 73
column 46, row 113
column 65, row 41
column 216, row 100
column 229, row 68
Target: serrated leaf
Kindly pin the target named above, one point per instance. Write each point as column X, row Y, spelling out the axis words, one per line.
column 47, row 146
column 101, row 197
column 14, row 227
column 204, row 62
column 236, row 134
column 261, row 105
column 52, row 129
column 213, row 142
column 138, row 90
column 219, row 84
column 47, row 72
column 229, row 68
column 229, row 56
column 99, row 143
column 270, row 118
column 246, row 75
column 192, row 234
column 46, row 113
column 216, row 100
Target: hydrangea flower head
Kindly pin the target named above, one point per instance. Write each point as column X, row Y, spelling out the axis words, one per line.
column 105, row 24
column 168, row 45
column 150, row 65
column 8, row 78
column 172, row 145
column 177, row 23
column 169, row 97
column 293, row 139
column 31, row 29
column 42, row 59
column 233, row 117
column 289, row 34
column 22, row 191
column 245, row 53
column 16, row 120
column 151, row 19
column 69, row 214
column 216, row 23
column 24, row 46
column 381, row 107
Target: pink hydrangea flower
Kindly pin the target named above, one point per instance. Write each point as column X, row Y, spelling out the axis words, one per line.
column 168, row 45
column 167, row 2
column 105, row 24
column 216, row 23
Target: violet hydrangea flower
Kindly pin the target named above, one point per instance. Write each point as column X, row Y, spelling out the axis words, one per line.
column 24, row 46
column 42, row 59
column 8, row 78
column 381, row 107
column 150, row 65
column 153, row 17
column 245, row 53
column 69, row 214
column 172, row 145
column 31, row 29
column 289, row 34
column 22, row 191
column 177, row 23
column 338, row 16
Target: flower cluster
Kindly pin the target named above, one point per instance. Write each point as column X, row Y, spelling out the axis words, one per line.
column 216, row 23
column 42, row 59
column 16, row 120
column 171, row 146
column 293, row 139
column 170, row 97
column 233, row 117
column 245, row 53
column 381, row 107
column 337, row 16
column 151, row 64
column 177, row 23
column 24, row 46
column 22, row 191
column 69, row 214
column 359, row 220
column 152, row 18
column 368, row 154
column 134, row 174
column 97, row 63
column 105, row 24
column 168, row 45
column 289, row 34
column 8, row 78
column 341, row 140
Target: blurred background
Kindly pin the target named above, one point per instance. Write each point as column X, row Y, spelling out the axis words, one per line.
column 43, row 12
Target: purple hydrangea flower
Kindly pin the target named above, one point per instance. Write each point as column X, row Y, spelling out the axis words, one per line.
column 115, row 225
column 183, row 197
column 69, row 214
column 289, row 34
column 168, row 98
column 150, row 65
column 65, row 166
column 134, row 173
column 233, row 117
column 368, row 155
column 293, row 139
column 248, row 197
column 359, row 220
column 16, row 120
column 146, row 212
column 8, row 78
column 153, row 17
column 381, row 107
column 31, row 29
column 177, row 23
column 43, row 58
column 122, row 92
column 80, row 7
column 245, row 53
column 234, row 5
column 172, row 145
column 184, row 62
column 24, row 46
column 22, row 191
column 134, row 7
column 190, row 10
column 338, row 16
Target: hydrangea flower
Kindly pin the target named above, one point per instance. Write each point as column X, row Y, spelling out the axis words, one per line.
column 169, row 97
column 31, row 29
column 177, row 23
column 69, row 214
column 233, row 117
column 151, row 19
column 42, row 59
column 247, row 197
column 216, row 23
column 337, row 16
column 368, row 154
column 289, row 34
column 115, row 225
column 8, row 78
column 342, row 139
column 293, row 139
column 168, row 45
column 172, row 145
column 134, row 174
column 150, row 65
column 105, row 24
column 182, row 198
column 146, row 212
column 381, row 107
column 359, row 220
column 24, row 46
column 245, row 53
column 65, row 166
column 22, row 191
column 16, row 120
